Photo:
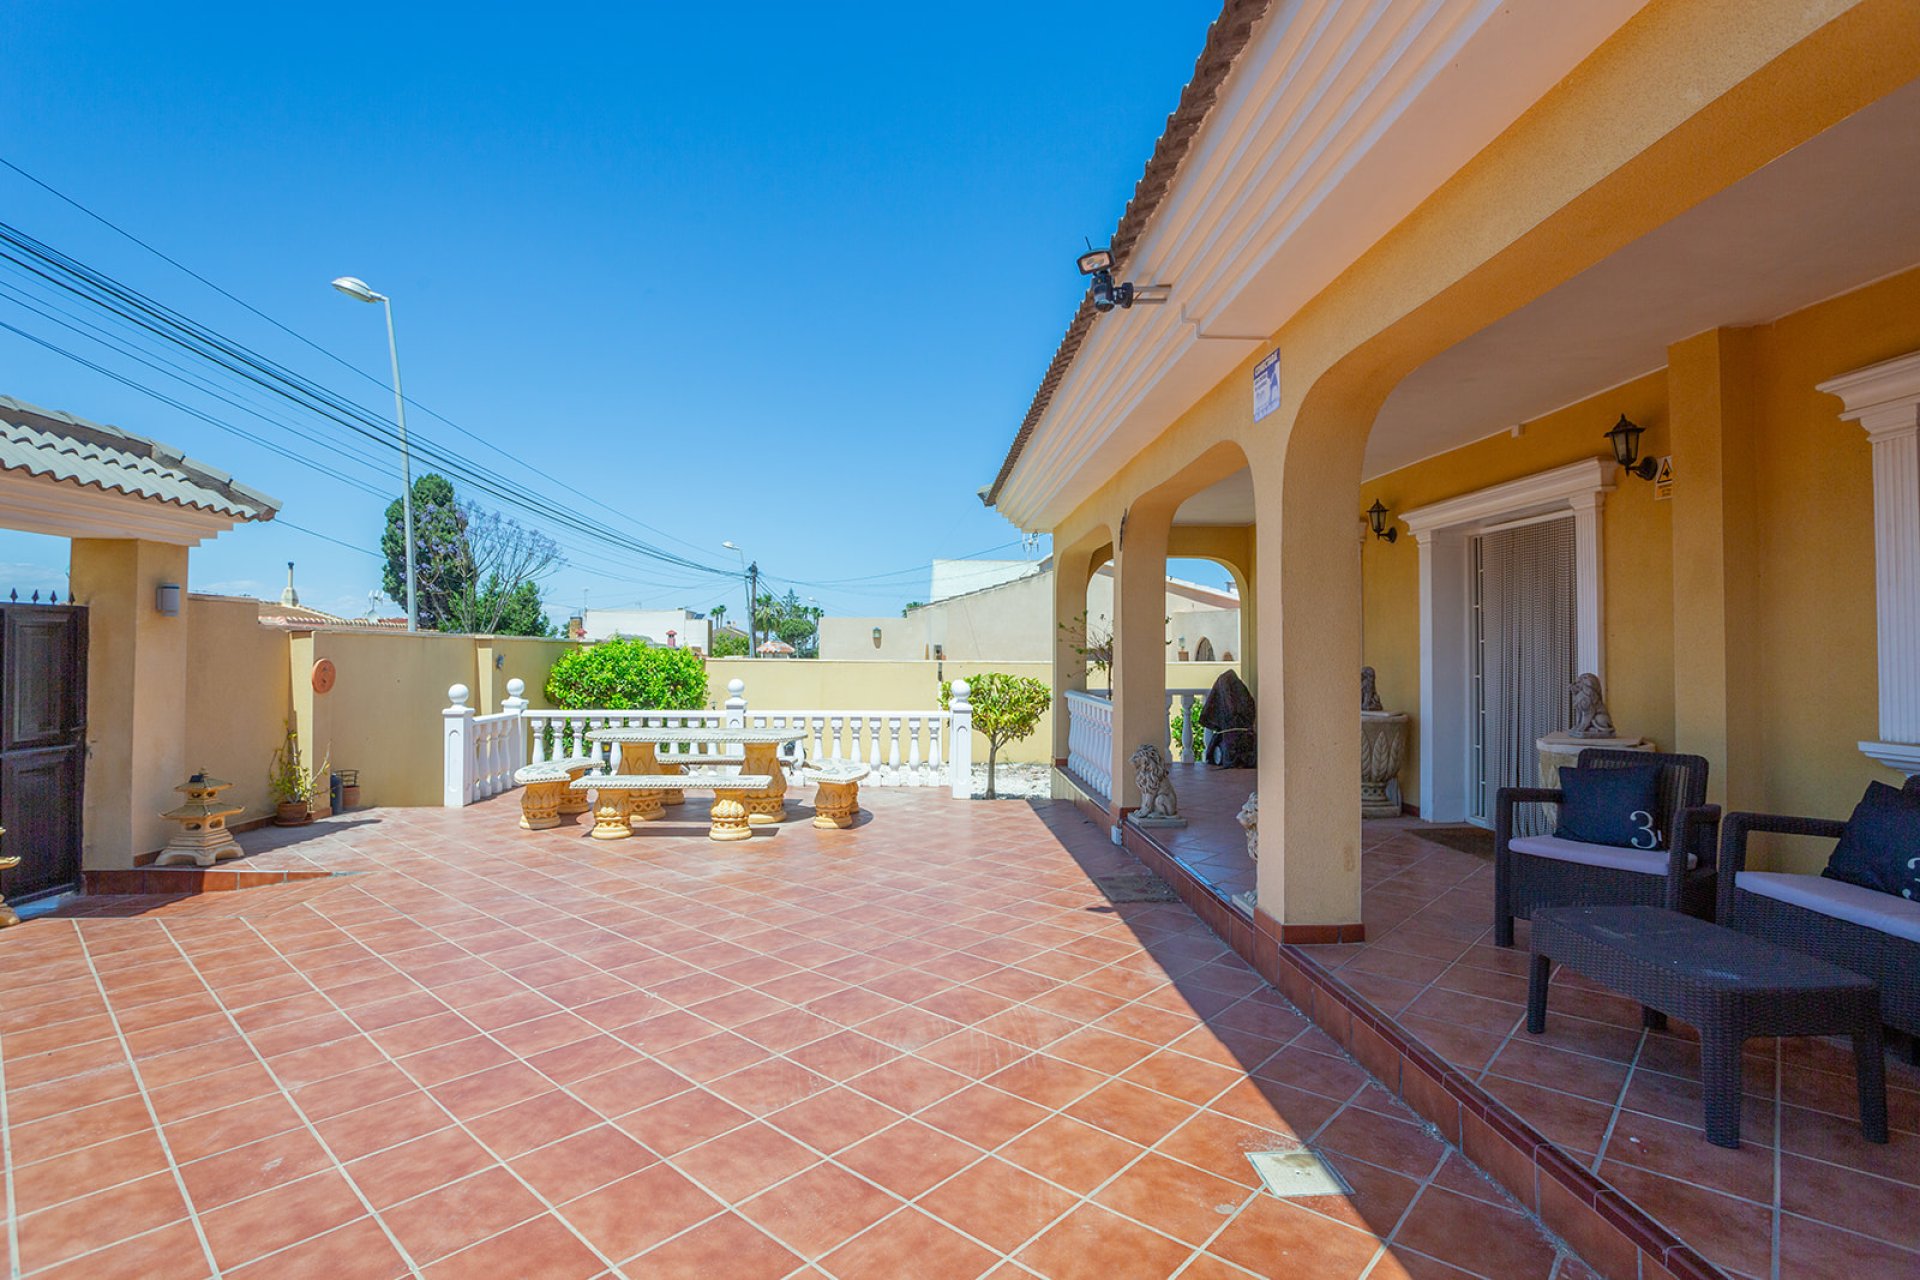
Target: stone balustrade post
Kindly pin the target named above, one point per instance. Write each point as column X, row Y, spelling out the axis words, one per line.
column 515, row 703
column 457, row 738
column 960, row 757
column 735, row 716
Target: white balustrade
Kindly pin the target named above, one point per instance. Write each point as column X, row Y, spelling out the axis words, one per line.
column 1183, row 708
column 1090, row 739
column 902, row 748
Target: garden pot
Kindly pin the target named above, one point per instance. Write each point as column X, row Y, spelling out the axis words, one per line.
column 292, row 813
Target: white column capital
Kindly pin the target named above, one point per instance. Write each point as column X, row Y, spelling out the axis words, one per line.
column 1884, row 399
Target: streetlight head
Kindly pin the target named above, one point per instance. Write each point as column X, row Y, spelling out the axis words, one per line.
column 355, row 287
column 730, row 546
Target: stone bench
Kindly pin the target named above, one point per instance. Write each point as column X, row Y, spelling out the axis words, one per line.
column 622, row 799
column 543, row 790
column 836, row 799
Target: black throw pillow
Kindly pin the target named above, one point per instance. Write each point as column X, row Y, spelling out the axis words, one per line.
column 1615, row 806
column 1881, row 846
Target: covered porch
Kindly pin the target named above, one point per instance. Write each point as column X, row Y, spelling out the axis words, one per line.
column 1426, row 1000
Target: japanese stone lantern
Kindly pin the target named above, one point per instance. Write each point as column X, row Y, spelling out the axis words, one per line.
column 204, row 838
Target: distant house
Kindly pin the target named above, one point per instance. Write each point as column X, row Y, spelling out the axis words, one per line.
column 674, row 628
column 1008, row 616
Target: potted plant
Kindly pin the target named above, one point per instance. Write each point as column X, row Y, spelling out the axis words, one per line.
column 291, row 784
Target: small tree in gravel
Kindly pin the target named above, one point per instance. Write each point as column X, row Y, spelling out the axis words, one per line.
column 1005, row 709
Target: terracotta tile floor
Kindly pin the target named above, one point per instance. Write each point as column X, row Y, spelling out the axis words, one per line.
column 925, row 1047
column 1804, row 1196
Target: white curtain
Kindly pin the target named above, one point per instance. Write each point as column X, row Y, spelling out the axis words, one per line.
column 1526, row 652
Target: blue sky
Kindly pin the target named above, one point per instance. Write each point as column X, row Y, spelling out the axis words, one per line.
column 786, row 275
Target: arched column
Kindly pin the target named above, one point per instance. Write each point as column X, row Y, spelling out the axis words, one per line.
column 1139, row 640
column 1073, row 568
column 1308, row 576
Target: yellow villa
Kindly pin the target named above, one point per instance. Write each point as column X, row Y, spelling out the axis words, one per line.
column 1491, row 346
column 1463, row 243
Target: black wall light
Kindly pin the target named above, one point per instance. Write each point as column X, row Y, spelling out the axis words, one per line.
column 1377, row 519
column 1098, row 263
column 1625, row 439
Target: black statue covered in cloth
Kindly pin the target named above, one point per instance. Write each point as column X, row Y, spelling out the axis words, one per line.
column 1229, row 716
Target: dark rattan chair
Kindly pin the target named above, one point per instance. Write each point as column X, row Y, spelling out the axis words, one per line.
column 1891, row 961
column 1682, row 878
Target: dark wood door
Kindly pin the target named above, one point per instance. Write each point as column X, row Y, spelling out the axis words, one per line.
column 43, row 713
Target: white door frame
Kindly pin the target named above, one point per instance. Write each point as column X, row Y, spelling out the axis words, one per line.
column 1443, row 531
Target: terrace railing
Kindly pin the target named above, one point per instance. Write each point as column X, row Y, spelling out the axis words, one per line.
column 901, row 748
column 1090, row 739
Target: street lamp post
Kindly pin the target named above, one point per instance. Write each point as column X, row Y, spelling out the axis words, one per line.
column 354, row 287
column 747, row 576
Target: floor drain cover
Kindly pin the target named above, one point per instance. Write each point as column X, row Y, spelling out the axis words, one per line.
column 1135, row 889
column 1298, row 1173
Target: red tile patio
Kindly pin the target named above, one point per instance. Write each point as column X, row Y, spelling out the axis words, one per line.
column 925, row 1047
column 1804, row 1196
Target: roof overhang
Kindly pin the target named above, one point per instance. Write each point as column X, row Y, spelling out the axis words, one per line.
column 38, row 504
column 1335, row 121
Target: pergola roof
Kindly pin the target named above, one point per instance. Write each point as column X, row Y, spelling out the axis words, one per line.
column 65, row 475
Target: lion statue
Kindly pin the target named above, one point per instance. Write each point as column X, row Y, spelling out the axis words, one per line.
column 1590, row 716
column 1157, row 799
column 1249, row 817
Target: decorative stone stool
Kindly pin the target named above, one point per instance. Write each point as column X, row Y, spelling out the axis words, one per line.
column 1383, row 746
column 609, row 809
column 836, row 798
column 7, row 917
column 571, row 801
column 729, row 815
column 544, row 789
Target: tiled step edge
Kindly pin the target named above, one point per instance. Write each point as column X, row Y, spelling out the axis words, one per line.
column 172, row 881
column 1612, row 1234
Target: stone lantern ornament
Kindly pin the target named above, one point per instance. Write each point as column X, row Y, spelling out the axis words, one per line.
column 204, row 838
column 7, row 917
column 1383, row 747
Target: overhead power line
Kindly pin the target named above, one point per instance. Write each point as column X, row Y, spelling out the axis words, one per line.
column 334, row 356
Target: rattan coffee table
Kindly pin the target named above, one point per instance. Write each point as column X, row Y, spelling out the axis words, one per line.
column 1730, row 986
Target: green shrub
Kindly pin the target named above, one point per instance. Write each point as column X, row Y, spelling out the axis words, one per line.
column 628, row 675
column 729, row 645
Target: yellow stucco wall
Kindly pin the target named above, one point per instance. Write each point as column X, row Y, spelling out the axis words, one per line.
column 1819, row 678
column 1813, row 695
column 1636, row 538
column 237, row 684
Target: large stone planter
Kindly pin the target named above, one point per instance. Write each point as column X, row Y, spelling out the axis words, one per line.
column 1383, row 748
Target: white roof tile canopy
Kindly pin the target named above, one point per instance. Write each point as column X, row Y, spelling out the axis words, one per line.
column 69, row 477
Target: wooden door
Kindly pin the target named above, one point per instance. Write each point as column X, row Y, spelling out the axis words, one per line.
column 43, row 711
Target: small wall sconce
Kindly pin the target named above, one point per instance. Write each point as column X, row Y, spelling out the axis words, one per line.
column 939, row 653
column 1625, row 439
column 166, row 599
column 876, row 637
column 1377, row 520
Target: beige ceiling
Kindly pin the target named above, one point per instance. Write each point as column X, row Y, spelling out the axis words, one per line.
column 1829, row 216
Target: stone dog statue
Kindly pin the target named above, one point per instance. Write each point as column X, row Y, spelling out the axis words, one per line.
column 1590, row 716
column 1157, row 799
column 1249, row 817
column 1369, row 695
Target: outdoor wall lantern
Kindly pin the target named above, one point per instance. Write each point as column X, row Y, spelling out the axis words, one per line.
column 1625, row 439
column 1377, row 520
column 876, row 637
column 166, row 599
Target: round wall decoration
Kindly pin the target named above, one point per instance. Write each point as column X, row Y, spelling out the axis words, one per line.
column 323, row 675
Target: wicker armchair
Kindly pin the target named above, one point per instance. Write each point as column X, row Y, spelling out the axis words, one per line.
column 1890, row 960
column 1679, row 877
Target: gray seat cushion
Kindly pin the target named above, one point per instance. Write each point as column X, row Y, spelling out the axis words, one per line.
column 1885, row 912
column 1652, row 862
